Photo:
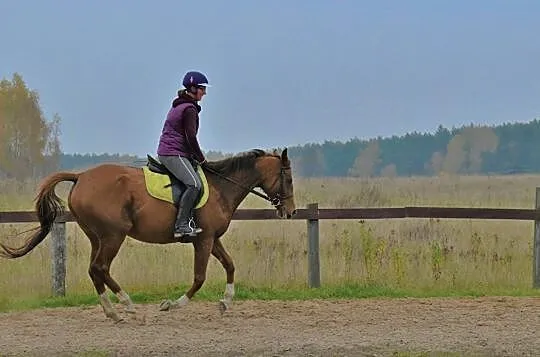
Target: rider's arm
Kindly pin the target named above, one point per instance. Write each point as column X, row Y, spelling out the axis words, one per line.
column 190, row 126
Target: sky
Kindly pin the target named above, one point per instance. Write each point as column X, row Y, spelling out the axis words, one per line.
column 283, row 73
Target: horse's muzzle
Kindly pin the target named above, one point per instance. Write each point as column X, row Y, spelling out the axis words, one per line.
column 290, row 215
column 282, row 213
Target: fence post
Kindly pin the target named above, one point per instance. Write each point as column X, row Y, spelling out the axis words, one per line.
column 536, row 244
column 314, row 273
column 58, row 250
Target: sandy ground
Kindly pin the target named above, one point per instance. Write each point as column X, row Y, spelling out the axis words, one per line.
column 500, row 326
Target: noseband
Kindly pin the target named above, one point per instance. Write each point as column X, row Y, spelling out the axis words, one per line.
column 279, row 196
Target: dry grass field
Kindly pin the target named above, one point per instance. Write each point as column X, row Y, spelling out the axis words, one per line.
column 413, row 254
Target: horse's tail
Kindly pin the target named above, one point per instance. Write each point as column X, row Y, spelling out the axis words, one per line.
column 48, row 207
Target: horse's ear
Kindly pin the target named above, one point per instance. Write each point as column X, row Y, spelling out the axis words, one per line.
column 284, row 156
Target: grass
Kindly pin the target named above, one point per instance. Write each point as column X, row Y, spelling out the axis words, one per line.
column 214, row 292
column 391, row 258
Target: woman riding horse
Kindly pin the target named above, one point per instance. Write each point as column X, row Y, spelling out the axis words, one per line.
column 179, row 149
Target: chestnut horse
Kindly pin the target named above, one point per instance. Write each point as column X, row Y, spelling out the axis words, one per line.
column 110, row 202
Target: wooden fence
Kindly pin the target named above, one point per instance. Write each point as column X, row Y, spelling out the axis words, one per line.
column 312, row 215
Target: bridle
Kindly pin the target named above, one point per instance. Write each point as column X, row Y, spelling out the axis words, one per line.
column 276, row 201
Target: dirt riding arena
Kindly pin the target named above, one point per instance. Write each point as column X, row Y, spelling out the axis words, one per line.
column 500, row 326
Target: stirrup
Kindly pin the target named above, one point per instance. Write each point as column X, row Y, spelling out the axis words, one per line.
column 191, row 224
column 194, row 230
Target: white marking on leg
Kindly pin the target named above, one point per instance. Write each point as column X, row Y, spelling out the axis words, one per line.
column 229, row 292
column 126, row 300
column 107, row 307
column 168, row 304
column 105, row 302
column 181, row 301
column 226, row 302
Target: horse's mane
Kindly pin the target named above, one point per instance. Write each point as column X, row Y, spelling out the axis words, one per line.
column 242, row 161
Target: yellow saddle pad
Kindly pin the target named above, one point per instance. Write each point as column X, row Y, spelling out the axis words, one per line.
column 159, row 186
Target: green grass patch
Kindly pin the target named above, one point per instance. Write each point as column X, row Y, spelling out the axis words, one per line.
column 215, row 292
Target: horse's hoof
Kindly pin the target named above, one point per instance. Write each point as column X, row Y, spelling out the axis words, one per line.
column 116, row 318
column 223, row 306
column 165, row 305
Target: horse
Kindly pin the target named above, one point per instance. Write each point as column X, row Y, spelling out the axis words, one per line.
column 112, row 201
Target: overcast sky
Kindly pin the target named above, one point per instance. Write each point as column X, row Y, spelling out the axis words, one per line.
column 283, row 72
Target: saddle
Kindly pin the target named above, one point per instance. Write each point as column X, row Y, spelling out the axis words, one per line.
column 156, row 166
column 177, row 186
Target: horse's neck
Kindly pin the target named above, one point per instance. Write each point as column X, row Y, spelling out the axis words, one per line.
column 231, row 193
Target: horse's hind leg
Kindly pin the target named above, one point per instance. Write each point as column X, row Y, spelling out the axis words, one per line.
column 113, row 246
column 225, row 259
column 110, row 247
column 98, row 279
column 103, row 252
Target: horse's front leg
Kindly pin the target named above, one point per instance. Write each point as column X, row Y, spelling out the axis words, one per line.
column 225, row 259
column 203, row 246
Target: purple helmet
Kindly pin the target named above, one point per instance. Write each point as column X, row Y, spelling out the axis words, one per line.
column 194, row 78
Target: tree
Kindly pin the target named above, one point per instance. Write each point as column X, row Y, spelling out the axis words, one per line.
column 53, row 149
column 366, row 161
column 25, row 136
column 455, row 155
column 436, row 162
column 479, row 140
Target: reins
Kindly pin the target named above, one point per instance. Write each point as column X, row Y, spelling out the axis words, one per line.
column 276, row 201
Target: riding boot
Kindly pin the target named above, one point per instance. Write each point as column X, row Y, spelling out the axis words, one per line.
column 185, row 224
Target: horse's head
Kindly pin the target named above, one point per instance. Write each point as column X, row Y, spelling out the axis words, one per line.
column 277, row 183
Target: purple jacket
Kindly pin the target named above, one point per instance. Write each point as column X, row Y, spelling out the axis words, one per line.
column 179, row 134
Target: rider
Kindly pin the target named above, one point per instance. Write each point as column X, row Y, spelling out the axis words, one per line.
column 179, row 149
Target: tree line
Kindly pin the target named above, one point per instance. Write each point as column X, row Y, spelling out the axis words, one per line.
column 500, row 149
column 30, row 147
column 504, row 149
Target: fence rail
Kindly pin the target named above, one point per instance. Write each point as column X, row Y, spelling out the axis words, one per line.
column 314, row 212
column 312, row 215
